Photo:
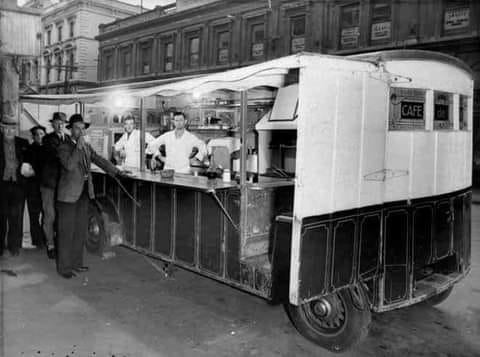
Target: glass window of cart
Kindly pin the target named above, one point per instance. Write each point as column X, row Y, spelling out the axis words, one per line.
column 407, row 109
column 463, row 112
column 443, row 111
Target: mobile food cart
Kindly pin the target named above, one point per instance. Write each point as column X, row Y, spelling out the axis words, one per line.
column 362, row 202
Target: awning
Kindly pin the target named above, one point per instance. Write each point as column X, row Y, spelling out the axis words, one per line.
column 271, row 73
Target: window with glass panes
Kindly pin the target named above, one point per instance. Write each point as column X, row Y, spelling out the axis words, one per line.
column 71, row 62
column 194, row 51
column 146, row 57
column 72, row 28
column 49, row 37
column 381, row 20
column 126, row 61
column 109, row 65
column 59, row 33
column 59, row 63
column 457, row 16
column 297, row 34
column 223, row 47
column 168, row 56
column 257, row 41
column 463, row 112
column 48, row 67
column 349, row 25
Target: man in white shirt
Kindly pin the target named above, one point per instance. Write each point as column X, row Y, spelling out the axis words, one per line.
column 180, row 146
column 128, row 146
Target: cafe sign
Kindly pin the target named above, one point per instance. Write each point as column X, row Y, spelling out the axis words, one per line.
column 381, row 31
column 349, row 37
column 457, row 19
column 407, row 109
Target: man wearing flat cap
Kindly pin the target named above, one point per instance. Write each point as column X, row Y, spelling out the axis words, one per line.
column 75, row 189
column 35, row 157
column 49, row 178
column 12, row 197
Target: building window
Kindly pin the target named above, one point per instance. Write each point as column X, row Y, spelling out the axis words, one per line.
column 349, row 25
column 71, row 62
column 35, row 70
column 72, row 29
column 59, row 62
column 381, row 21
column 223, row 47
column 126, row 61
column 456, row 16
column 463, row 112
column 443, row 111
column 146, row 57
column 109, row 67
column 257, row 41
column 59, row 33
column 168, row 51
column 48, row 67
column 49, row 37
column 297, row 34
column 194, row 52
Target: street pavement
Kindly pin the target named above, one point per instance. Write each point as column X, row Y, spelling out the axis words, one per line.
column 127, row 306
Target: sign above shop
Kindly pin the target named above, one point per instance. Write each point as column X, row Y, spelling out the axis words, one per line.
column 457, row 19
column 350, row 37
column 381, row 31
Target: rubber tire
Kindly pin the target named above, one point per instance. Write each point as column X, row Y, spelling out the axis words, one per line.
column 439, row 298
column 354, row 330
column 95, row 241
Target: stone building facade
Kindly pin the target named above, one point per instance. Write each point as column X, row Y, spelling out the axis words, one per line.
column 69, row 52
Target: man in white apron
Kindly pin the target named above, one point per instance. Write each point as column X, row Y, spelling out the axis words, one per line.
column 128, row 146
column 180, row 146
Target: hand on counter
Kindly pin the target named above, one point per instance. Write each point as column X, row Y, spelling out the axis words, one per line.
column 124, row 173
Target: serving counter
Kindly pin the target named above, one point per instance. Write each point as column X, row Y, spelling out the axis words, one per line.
column 196, row 222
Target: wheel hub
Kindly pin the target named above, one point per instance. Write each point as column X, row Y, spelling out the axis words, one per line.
column 322, row 308
column 326, row 314
column 93, row 227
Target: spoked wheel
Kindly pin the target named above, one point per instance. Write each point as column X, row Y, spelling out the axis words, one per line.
column 335, row 322
column 96, row 231
column 439, row 298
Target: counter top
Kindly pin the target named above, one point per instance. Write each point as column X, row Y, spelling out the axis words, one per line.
column 201, row 183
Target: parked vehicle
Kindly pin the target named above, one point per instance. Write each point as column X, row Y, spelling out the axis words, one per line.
column 353, row 194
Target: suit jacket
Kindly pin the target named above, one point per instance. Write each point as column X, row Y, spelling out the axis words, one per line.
column 75, row 164
column 35, row 156
column 21, row 146
column 51, row 165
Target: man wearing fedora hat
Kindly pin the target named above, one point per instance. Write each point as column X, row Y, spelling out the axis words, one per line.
column 49, row 178
column 35, row 157
column 12, row 202
column 75, row 189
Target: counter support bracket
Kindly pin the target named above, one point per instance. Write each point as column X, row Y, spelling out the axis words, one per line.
column 224, row 210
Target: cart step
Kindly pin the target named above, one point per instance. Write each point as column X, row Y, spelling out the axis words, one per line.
column 434, row 284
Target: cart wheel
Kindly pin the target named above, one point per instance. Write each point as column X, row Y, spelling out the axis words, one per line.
column 439, row 298
column 335, row 322
column 96, row 230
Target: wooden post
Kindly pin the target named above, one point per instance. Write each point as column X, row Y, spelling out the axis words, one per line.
column 9, row 90
column 143, row 122
column 243, row 171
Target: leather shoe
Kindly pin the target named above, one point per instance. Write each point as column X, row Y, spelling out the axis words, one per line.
column 51, row 253
column 67, row 275
column 81, row 269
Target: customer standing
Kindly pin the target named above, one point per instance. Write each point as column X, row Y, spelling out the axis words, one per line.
column 75, row 189
column 35, row 157
column 50, row 176
column 12, row 194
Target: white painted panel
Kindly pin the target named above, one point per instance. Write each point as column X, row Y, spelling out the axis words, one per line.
column 450, row 162
column 397, row 165
column 347, row 141
column 422, row 175
column 18, row 33
column 372, row 156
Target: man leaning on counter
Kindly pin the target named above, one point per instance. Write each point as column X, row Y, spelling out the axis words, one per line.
column 127, row 148
column 180, row 146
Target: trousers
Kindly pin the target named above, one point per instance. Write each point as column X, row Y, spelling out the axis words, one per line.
column 12, row 204
column 72, row 231
column 48, row 206
column 34, row 203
